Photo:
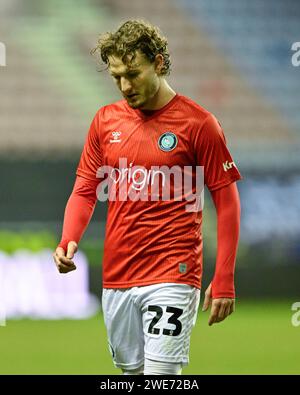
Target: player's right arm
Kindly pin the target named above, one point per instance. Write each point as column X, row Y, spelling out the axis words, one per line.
column 82, row 202
column 78, row 213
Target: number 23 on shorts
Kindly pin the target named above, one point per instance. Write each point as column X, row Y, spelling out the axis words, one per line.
column 174, row 314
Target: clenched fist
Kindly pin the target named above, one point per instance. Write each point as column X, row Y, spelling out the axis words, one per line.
column 64, row 262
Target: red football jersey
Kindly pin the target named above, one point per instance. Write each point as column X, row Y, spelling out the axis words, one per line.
column 148, row 242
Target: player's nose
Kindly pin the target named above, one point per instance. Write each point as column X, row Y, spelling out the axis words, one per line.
column 125, row 86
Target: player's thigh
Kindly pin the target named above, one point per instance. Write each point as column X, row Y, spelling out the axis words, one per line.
column 169, row 313
column 124, row 328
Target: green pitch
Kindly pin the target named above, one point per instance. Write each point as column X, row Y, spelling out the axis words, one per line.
column 257, row 339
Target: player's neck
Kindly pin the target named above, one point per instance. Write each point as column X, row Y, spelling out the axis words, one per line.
column 163, row 96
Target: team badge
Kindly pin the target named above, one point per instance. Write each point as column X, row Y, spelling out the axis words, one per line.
column 167, row 141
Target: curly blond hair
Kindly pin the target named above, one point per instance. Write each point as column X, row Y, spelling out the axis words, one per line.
column 131, row 36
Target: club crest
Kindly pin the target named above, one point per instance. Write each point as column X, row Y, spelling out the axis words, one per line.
column 167, row 141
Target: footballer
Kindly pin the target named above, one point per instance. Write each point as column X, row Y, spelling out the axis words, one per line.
column 152, row 263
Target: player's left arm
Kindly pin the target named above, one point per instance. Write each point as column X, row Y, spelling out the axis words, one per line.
column 220, row 294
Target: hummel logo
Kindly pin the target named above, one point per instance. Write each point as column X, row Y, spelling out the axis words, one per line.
column 115, row 136
column 228, row 165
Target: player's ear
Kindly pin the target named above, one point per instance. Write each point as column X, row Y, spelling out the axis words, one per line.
column 158, row 63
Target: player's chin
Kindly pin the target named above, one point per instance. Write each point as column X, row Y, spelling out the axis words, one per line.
column 136, row 103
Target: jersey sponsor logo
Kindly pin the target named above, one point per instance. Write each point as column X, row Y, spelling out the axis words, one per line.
column 167, row 141
column 115, row 137
column 157, row 183
column 228, row 165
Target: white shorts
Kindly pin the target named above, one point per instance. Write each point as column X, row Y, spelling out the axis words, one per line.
column 153, row 321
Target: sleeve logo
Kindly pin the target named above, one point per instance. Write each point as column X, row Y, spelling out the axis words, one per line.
column 228, row 165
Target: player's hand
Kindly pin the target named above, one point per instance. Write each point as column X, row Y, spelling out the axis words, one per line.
column 220, row 308
column 64, row 262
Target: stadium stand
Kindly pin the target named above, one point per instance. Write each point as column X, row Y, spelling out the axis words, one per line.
column 50, row 87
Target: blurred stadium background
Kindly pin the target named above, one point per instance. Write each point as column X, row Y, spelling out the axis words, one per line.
column 232, row 57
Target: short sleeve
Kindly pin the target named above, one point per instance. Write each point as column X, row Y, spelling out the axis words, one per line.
column 91, row 157
column 212, row 153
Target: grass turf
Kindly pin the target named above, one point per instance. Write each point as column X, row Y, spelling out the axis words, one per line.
column 257, row 339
